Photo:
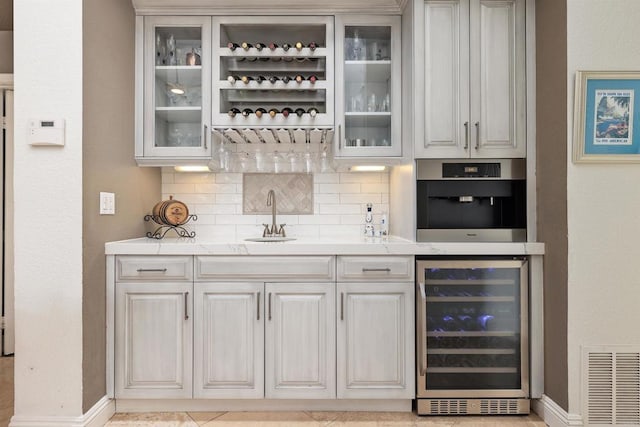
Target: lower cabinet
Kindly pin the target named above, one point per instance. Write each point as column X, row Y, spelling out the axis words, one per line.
column 375, row 338
column 153, row 340
column 273, row 340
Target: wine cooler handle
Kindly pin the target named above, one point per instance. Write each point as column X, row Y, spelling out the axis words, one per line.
column 269, row 305
column 422, row 338
column 466, row 135
column 204, row 137
column 341, row 305
column 477, row 135
column 258, row 306
column 186, row 306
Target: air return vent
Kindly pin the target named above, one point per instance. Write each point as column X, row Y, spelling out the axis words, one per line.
column 612, row 385
column 473, row 406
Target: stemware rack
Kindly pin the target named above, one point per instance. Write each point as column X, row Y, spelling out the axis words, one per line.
column 275, row 135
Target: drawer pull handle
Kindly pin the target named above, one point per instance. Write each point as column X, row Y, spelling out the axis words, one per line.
column 369, row 270
column 269, row 305
column 186, row 307
column 152, row 270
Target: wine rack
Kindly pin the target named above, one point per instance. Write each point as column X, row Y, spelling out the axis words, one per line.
column 273, row 78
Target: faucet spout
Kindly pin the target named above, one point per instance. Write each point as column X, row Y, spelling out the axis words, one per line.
column 271, row 201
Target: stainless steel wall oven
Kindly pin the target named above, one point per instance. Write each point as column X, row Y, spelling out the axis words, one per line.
column 471, row 200
column 472, row 336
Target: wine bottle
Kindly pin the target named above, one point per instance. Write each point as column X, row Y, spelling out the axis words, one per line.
column 286, row 46
column 312, row 78
column 260, row 112
column 288, row 59
column 233, row 46
column 286, row 79
column 252, row 59
column 273, row 46
column 260, row 79
column 246, row 46
column 274, row 79
column 299, row 46
column 286, row 111
column 313, row 46
column 246, row 112
column 273, row 112
column 299, row 79
column 274, row 58
column 263, row 58
column 313, row 111
column 233, row 112
column 260, row 46
column 246, row 79
column 233, row 79
column 300, row 111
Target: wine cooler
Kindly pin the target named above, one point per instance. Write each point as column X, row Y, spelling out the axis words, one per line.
column 472, row 336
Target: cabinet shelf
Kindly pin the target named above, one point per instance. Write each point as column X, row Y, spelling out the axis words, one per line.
column 470, row 351
column 366, row 119
column 279, row 52
column 367, row 71
column 277, row 67
column 179, row 114
column 483, row 282
column 470, row 299
column 277, row 86
column 185, row 75
column 471, row 334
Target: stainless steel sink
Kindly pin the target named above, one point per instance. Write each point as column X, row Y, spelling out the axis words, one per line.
column 270, row 239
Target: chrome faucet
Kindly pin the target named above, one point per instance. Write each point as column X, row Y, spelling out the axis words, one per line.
column 274, row 231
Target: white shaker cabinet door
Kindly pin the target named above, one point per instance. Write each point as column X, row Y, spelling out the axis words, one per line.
column 229, row 340
column 300, row 341
column 446, row 55
column 498, row 85
column 153, row 340
column 375, row 336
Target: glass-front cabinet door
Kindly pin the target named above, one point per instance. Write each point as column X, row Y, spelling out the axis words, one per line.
column 177, row 87
column 368, row 103
column 472, row 328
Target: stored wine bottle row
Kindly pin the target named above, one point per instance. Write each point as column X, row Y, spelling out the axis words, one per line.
column 272, row 79
column 272, row 46
column 286, row 112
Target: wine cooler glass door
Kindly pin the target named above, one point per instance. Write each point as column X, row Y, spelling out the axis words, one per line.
column 178, row 90
column 474, row 328
column 369, row 100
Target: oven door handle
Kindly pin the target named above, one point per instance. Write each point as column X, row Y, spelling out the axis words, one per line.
column 422, row 327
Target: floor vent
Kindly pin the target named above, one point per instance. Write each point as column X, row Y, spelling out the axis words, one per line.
column 473, row 406
column 612, row 385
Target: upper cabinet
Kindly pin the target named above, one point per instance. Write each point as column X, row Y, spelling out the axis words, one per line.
column 368, row 86
column 274, row 71
column 173, row 89
column 474, row 79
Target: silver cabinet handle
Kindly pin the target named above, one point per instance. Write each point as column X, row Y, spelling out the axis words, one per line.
column 368, row 270
column 186, row 306
column 204, row 137
column 269, row 305
column 422, row 338
column 258, row 305
column 152, row 270
column 466, row 135
column 339, row 137
column 341, row 305
column 477, row 135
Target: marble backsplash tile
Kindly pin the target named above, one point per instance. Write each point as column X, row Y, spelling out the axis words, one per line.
column 294, row 193
column 339, row 202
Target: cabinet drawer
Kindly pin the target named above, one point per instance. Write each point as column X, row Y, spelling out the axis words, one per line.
column 375, row 268
column 156, row 268
column 265, row 268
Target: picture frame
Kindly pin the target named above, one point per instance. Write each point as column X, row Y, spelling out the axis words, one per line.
column 607, row 117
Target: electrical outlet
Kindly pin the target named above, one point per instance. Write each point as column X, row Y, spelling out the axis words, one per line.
column 107, row 203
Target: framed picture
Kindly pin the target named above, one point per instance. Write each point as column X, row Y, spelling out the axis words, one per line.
column 607, row 117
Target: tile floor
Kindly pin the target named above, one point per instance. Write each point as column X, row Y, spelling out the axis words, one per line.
column 273, row 419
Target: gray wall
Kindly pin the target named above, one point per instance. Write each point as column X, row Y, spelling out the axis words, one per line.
column 108, row 165
column 551, row 111
column 6, row 36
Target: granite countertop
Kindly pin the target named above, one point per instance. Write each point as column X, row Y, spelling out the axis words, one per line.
column 306, row 246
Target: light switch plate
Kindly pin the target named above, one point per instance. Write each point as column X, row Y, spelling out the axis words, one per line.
column 107, row 203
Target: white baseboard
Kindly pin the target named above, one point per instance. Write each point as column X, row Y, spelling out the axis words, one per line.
column 97, row 416
column 553, row 415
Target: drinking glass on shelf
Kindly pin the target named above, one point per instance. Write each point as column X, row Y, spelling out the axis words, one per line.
column 358, row 47
column 161, row 50
column 371, row 103
column 171, row 50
